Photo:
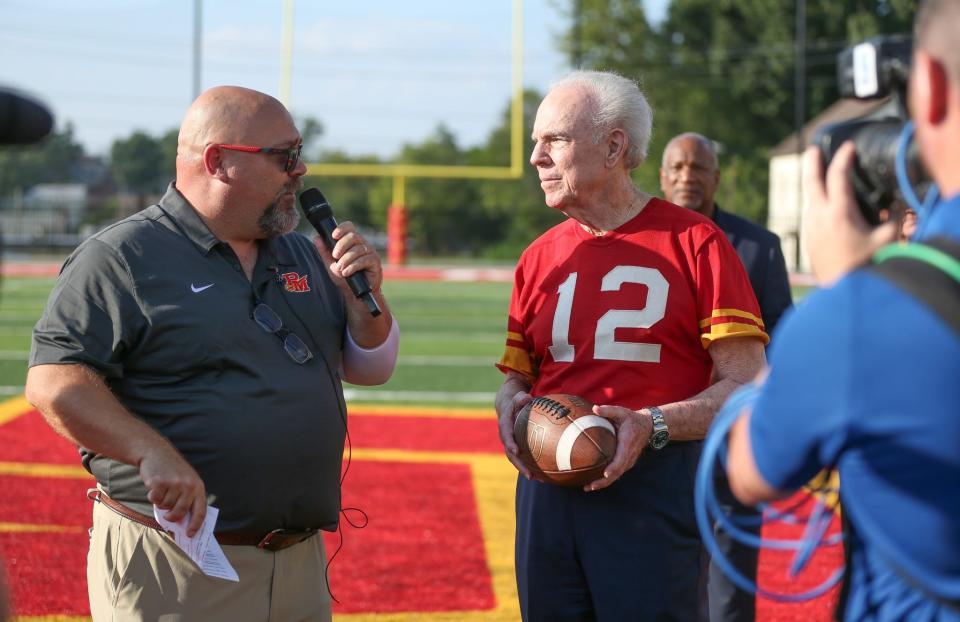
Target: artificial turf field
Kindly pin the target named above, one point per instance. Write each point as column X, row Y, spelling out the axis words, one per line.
column 426, row 469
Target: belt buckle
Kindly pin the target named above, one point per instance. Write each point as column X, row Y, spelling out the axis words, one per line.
column 282, row 538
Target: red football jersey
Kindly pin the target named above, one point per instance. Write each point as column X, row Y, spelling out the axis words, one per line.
column 626, row 318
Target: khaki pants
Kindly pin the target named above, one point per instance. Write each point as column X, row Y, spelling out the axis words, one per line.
column 135, row 573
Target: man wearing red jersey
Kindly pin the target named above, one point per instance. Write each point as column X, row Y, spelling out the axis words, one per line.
column 636, row 302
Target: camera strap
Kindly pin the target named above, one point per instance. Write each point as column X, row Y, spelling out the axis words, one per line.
column 930, row 272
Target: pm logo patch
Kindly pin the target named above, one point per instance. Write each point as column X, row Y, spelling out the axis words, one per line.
column 293, row 282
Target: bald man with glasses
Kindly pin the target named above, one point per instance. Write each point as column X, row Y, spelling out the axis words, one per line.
column 195, row 352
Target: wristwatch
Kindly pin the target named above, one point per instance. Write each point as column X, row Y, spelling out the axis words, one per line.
column 661, row 434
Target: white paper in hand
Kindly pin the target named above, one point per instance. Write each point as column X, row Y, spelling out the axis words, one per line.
column 202, row 548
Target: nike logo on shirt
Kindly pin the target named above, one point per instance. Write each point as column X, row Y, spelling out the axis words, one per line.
column 197, row 290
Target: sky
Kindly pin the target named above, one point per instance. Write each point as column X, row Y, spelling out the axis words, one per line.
column 376, row 73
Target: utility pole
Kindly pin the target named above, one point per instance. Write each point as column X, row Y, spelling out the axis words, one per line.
column 197, row 45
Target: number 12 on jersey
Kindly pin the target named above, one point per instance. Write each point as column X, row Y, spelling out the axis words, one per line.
column 605, row 345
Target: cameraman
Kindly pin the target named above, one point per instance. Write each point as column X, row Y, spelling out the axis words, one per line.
column 866, row 377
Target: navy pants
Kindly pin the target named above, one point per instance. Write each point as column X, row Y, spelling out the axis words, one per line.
column 628, row 552
column 725, row 601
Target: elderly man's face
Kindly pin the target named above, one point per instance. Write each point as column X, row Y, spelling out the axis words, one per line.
column 689, row 175
column 567, row 156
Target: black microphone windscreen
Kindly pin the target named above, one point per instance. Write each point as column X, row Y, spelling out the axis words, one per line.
column 313, row 201
column 320, row 215
column 23, row 120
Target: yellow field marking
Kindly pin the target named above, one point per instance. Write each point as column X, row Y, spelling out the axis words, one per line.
column 36, row 469
column 421, row 411
column 12, row 408
column 28, row 528
column 493, row 480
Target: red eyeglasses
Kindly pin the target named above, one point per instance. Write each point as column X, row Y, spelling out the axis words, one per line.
column 292, row 154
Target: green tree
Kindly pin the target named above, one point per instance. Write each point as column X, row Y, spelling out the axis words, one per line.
column 361, row 200
column 168, row 155
column 446, row 216
column 52, row 161
column 137, row 164
column 621, row 25
column 725, row 68
column 514, row 207
column 311, row 130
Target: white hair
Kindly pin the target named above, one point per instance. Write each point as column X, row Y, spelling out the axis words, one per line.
column 620, row 104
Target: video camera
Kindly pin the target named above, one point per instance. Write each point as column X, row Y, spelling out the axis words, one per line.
column 875, row 69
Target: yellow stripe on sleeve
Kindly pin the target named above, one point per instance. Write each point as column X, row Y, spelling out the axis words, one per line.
column 517, row 359
column 732, row 329
column 730, row 313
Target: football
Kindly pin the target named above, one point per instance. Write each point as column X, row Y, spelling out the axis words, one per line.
column 562, row 442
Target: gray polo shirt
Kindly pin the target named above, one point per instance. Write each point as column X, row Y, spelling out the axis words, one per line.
column 162, row 309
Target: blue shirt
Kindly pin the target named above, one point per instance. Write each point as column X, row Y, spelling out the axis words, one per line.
column 867, row 378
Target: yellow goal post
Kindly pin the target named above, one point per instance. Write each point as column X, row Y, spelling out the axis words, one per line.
column 397, row 217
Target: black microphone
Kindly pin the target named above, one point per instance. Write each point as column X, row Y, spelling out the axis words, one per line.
column 23, row 120
column 320, row 215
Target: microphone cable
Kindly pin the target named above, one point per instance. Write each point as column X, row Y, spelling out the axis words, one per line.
column 363, row 519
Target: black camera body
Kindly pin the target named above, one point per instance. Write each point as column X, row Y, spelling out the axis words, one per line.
column 875, row 69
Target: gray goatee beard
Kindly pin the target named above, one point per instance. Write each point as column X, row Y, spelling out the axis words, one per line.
column 277, row 220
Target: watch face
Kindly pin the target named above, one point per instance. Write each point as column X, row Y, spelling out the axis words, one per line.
column 659, row 440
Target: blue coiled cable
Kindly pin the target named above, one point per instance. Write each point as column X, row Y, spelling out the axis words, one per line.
column 924, row 209
column 714, row 448
column 707, row 506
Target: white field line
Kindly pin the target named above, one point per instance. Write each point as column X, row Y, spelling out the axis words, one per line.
column 497, row 338
column 440, row 360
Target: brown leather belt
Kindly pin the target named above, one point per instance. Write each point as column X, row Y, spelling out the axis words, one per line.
column 275, row 540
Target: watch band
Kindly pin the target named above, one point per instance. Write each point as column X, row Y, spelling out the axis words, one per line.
column 660, row 435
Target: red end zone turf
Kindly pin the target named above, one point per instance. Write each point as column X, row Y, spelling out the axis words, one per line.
column 426, row 433
column 423, row 550
column 46, row 572
column 428, row 556
column 51, row 501
column 772, row 571
column 28, row 438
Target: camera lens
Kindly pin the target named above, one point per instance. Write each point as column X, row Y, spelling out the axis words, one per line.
column 874, row 172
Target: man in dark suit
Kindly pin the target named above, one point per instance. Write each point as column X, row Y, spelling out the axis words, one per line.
column 689, row 175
